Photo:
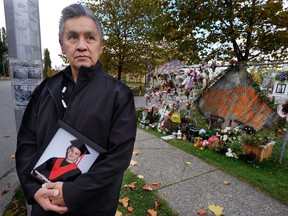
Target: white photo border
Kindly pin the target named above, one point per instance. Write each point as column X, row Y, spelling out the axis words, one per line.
column 64, row 134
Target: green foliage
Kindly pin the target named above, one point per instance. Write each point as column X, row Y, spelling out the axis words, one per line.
column 3, row 52
column 138, row 90
column 170, row 126
column 64, row 58
column 252, row 140
column 235, row 147
column 241, row 29
column 17, row 207
column 140, row 199
column 127, row 28
column 156, row 31
column 47, row 63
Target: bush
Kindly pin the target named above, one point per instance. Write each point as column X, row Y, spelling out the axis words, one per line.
column 253, row 140
column 138, row 90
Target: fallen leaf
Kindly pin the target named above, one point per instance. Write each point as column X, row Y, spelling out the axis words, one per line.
column 202, row 212
column 12, row 156
column 216, row 209
column 164, row 193
column 118, row 213
column 130, row 208
column 147, row 188
column 158, row 184
column 140, row 176
column 124, row 201
column 151, row 212
column 131, row 185
column 136, row 152
column 157, row 204
column 226, row 182
column 133, row 162
column 188, row 163
column 5, row 190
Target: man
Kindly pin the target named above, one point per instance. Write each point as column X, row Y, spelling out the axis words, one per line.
column 63, row 169
column 97, row 105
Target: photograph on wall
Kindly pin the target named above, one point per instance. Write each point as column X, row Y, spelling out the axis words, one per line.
column 64, row 156
column 280, row 88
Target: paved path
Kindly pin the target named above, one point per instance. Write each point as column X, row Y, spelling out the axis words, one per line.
column 8, row 178
column 189, row 184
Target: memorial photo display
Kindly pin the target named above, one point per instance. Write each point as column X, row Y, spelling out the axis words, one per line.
column 64, row 156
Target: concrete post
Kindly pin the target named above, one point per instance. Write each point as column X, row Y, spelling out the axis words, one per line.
column 25, row 55
column 24, row 48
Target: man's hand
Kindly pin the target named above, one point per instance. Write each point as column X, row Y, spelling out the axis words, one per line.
column 58, row 199
column 43, row 197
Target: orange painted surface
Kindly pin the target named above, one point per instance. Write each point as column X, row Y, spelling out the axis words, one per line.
column 242, row 104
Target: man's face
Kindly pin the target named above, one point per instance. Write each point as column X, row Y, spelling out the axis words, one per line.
column 73, row 154
column 81, row 42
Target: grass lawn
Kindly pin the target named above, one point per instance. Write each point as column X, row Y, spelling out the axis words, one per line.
column 268, row 176
column 140, row 200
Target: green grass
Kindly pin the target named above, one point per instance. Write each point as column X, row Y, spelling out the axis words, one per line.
column 17, row 207
column 137, row 88
column 268, row 176
column 141, row 200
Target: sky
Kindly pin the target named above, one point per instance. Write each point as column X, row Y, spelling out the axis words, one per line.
column 50, row 12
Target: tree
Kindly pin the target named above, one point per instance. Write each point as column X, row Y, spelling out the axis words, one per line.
column 246, row 30
column 64, row 58
column 47, row 63
column 126, row 28
column 3, row 52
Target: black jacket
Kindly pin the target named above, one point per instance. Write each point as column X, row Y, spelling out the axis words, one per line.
column 101, row 108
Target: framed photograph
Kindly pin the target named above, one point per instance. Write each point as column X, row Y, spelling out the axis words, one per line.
column 281, row 88
column 64, row 156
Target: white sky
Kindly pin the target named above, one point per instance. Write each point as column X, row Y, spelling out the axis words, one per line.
column 50, row 11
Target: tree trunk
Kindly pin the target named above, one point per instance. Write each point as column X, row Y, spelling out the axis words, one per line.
column 120, row 68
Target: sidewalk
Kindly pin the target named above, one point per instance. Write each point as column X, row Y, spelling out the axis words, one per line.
column 8, row 178
column 189, row 184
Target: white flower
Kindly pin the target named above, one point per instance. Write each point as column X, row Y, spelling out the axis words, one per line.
column 226, row 129
column 229, row 153
column 202, row 131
